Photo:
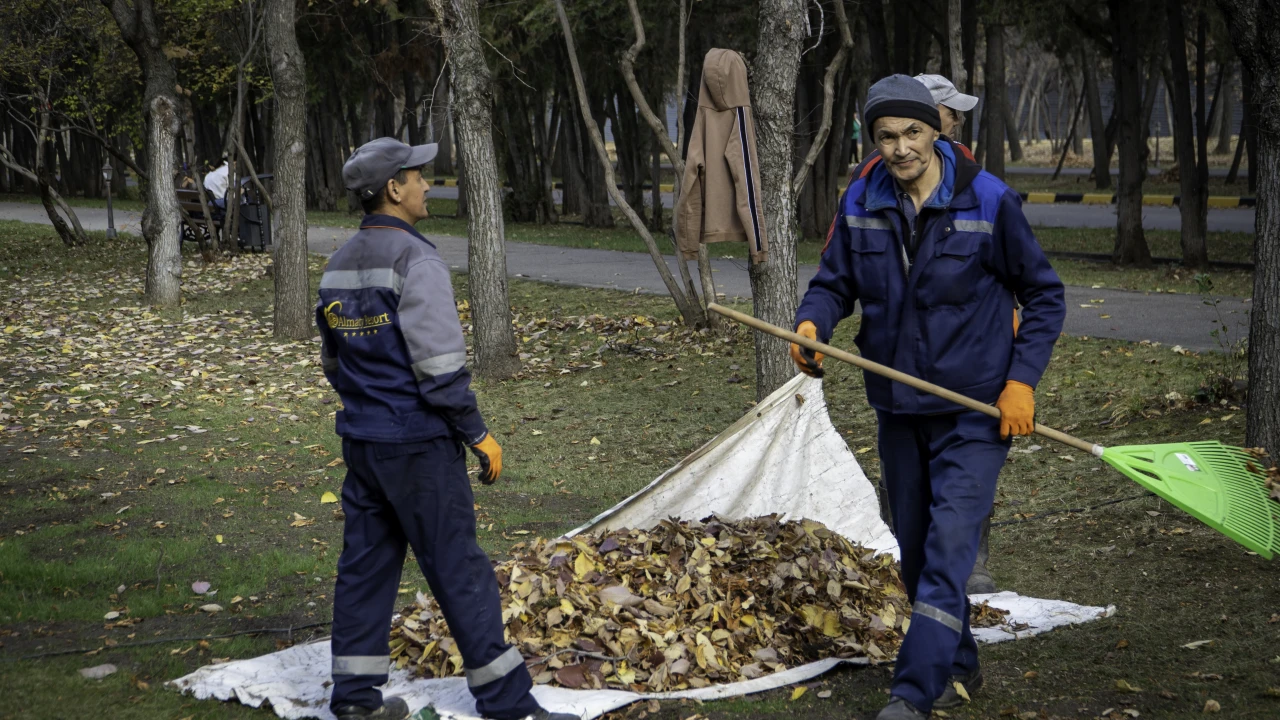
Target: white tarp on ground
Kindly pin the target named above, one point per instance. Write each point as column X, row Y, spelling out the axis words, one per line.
column 784, row 457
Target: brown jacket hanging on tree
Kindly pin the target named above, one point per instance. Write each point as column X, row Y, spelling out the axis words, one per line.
column 721, row 189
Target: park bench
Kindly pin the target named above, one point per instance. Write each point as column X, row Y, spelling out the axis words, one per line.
column 254, row 217
column 194, row 226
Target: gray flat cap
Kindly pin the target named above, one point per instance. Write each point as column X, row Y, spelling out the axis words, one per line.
column 945, row 93
column 377, row 161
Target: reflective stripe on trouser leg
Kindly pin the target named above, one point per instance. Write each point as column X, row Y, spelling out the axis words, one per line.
column 939, row 514
column 496, row 670
column 920, row 609
column 361, row 664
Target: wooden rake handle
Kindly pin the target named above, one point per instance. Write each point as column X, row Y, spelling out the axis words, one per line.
column 895, row 375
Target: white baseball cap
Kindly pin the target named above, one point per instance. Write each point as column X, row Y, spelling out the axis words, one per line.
column 944, row 93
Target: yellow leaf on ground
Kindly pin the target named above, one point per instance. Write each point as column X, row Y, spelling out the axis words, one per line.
column 964, row 694
column 795, row 694
column 218, row 538
column 327, row 498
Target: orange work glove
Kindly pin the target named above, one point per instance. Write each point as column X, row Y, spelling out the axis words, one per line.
column 1017, row 406
column 809, row 362
column 490, row 455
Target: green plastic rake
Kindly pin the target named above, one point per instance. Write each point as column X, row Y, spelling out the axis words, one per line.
column 1222, row 486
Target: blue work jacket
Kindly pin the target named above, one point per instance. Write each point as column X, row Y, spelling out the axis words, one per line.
column 391, row 342
column 948, row 316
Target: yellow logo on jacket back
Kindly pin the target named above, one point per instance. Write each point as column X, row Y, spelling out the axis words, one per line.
column 337, row 321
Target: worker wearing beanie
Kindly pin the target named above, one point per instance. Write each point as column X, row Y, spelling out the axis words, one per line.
column 936, row 251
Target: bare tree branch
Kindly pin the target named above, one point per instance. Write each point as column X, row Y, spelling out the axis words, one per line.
column 253, row 175
column 691, row 313
column 828, row 99
column 659, row 130
column 629, row 74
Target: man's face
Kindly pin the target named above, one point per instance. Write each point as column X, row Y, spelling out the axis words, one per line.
column 411, row 195
column 952, row 121
column 906, row 145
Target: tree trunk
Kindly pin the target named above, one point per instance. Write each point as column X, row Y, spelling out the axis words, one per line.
column 1011, row 133
column 969, row 40
column 773, row 282
column 955, row 46
column 1254, row 25
column 441, row 133
column 904, row 21
column 1195, row 196
column 878, row 37
column 495, row 342
column 1097, row 127
column 1226, row 113
column 1131, row 242
column 141, row 30
column 293, row 311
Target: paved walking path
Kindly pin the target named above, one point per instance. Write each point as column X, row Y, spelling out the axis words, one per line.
column 1166, row 318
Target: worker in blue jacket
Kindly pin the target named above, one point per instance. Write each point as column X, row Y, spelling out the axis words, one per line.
column 392, row 346
column 936, row 251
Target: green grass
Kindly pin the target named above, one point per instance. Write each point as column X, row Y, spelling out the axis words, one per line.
column 1173, row 580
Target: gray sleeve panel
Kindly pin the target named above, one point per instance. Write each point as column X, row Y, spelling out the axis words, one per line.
column 429, row 320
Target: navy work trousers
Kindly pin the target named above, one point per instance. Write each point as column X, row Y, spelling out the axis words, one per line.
column 418, row 494
column 940, row 472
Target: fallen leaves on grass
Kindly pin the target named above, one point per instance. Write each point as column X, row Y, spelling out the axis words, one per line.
column 682, row 605
column 1124, row 686
column 1212, row 706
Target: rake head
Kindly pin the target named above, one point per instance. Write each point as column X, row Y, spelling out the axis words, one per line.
column 1224, row 487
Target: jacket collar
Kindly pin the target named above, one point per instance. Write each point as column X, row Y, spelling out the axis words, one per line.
column 955, row 190
column 394, row 223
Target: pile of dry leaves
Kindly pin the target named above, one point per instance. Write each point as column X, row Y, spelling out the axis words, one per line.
column 682, row 605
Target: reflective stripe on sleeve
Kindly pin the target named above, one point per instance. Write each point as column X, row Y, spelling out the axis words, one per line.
column 867, row 223
column 981, row 226
column 361, row 664
column 439, row 365
column 362, row 279
column 496, row 670
column 933, row 613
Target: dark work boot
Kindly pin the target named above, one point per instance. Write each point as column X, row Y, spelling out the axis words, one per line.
column 950, row 697
column 548, row 715
column 899, row 709
column 980, row 580
column 393, row 708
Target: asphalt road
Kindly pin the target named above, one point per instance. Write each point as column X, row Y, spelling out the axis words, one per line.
column 1165, row 318
column 1066, row 215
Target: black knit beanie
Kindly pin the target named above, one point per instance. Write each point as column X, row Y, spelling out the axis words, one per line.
column 901, row 96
